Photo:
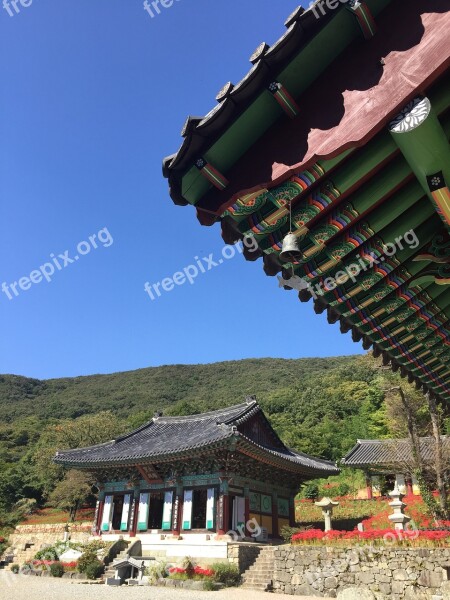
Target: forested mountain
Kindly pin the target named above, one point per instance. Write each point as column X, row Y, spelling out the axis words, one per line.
column 158, row 388
column 319, row 406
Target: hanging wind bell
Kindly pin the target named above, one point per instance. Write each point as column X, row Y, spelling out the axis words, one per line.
column 290, row 252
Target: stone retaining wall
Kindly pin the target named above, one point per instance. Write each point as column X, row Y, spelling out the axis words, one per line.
column 54, row 528
column 48, row 534
column 26, row 540
column 403, row 574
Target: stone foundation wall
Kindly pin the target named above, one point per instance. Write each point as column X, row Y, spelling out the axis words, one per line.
column 38, row 535
column 243, row 555
column 56, row 528
column 402, row 574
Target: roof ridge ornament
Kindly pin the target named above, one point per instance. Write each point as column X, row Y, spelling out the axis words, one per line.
column 294, row 16
column 224, row 93
column 259, row 52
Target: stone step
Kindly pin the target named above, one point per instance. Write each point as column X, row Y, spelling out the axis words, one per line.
column 258, row 580
column 259, row 575
column 254, row 586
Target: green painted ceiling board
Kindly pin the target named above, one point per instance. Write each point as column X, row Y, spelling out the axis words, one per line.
column 244, row 132
column 321, row 51
column 440, row 96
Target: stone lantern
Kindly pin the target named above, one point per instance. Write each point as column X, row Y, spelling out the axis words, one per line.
column 327, row 505
column 398, row 517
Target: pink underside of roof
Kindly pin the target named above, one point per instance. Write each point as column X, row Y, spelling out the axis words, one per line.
column 351, row 101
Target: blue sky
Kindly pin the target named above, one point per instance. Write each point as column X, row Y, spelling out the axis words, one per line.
column 93, row 95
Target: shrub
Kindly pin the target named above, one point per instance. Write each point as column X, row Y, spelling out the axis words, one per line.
column 343, row 489
column 94, row 569
column 227, row 574
column 157, row 571
column 3, row 545
column 15, row 568
column 311, row 491
column 189, row 566
column 93, row 546
column 85, row 560
column 208, row 585
column 26, row 567
column 57, row 569
column 48, row 553
column 287, row 532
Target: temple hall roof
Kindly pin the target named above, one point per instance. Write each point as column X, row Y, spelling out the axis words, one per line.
column 166, row 438
column 391, row 453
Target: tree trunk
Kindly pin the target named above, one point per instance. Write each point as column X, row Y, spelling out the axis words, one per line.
column 419, row 469
column 73, row 512
column 438, row 457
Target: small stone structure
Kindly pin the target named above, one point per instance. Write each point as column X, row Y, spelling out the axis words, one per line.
column 327, row 505
column 397, row 573
column 398, row 517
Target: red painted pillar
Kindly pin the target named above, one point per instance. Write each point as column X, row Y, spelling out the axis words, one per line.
column 101, row 504
column 223, row 514
column 292, row 511
column 177, row 512
column 369, row 487
column 247, row 512
column 409, row 487
column 275, row 532
column 226, row 511
column 136, row 495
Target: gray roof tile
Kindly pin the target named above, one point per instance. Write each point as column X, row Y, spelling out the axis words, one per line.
column 390, row 452
column 165, row 437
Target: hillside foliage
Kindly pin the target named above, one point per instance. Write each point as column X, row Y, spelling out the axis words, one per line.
column 319, row 406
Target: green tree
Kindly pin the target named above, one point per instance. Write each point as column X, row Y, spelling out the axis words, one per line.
column 87, row 430
column 71, row 492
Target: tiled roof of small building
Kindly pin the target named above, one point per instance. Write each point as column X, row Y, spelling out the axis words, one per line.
column 368, row 453
column 176, row 437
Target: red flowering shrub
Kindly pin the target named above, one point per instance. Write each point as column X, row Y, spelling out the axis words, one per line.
column 197, row 571
column 388, row 536
column 204, row 572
